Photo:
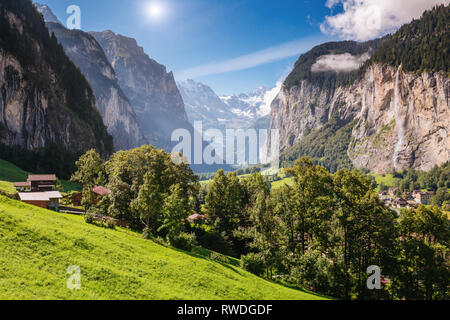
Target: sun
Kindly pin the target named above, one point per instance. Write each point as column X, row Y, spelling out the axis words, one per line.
column 155, row 10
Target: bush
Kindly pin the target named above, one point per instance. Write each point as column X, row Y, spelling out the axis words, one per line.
column 183, row 241
column 215, row 242
column 315, row 272
column 89, row 218
column 147, row 234
column 219, row 257
column 110, row 224
column 254, row 263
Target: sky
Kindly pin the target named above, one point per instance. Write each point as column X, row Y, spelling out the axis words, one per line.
column 235, row 46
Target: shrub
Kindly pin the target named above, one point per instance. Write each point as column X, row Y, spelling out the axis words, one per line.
column 147, row 234
column 219, row 257
column 254, row 263
column 215, row 242
column 316, row 273
column 110, row 224
column 89, row 218
column 183, row 241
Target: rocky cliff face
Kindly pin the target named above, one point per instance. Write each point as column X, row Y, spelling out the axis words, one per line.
column 37, row 107
column 403, row 119
column 151, row 89
column 113, row 105
column 381, row 105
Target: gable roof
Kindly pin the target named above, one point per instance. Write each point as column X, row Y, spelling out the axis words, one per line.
column 39, row 196
column 42, row 177
column 102, row 191
column 22, row 184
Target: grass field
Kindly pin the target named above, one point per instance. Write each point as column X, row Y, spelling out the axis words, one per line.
column 10, row 173
column 275, row 184
column 37, row 246
column 281, row 183
column 387, row 180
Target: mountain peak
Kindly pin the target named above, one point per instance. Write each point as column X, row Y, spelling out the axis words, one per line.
column 47, row 13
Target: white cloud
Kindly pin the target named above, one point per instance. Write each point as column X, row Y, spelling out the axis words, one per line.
column 368, row 19
column 268, row 55
column 339, row 62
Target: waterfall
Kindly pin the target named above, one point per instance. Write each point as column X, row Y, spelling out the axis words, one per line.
column 398, row 120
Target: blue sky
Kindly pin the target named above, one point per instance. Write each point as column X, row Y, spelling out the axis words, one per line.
column 232, row 45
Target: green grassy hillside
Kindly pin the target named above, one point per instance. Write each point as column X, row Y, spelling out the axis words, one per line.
column 37, row 246
column 10, row 173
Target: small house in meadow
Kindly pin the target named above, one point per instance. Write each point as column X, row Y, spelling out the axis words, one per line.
column 37, row 183
column 46, row 199
column 100, row 192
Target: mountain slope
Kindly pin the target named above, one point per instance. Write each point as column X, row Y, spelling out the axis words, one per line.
column 113, row 105
column 152, row 91
column 203, row 104
column 235, row 111
column 399, row 118
column 47, row 13
column 45, row 102
column 37, row 246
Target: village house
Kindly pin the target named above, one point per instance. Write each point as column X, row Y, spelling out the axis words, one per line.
column 382, row 194
column 400, row 203
column 423, row 197
column 99, row 192
column 46, row 199
column 197, row 218
column 38, row 190
column 77, row 198
column 37, row 183
column 393, row 191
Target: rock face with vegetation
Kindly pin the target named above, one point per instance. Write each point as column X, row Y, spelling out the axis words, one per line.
column 151, row 89
column 111, row 102
column 404, row 120
column 44, row 100
column 393, row 108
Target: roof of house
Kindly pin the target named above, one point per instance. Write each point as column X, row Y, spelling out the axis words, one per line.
column 39, row 196
column 22, row 184
column 42, row 177
column 428, row 193
column 196, row 216
column 102, row 191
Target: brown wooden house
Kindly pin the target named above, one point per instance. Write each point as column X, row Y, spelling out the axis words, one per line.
column 46, row 199
column 37, row 183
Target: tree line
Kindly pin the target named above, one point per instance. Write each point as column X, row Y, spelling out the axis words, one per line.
column 320, row 233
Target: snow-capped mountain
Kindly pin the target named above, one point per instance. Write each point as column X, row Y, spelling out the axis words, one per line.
column 47, row 13
column 203, row 104
column 234, row 111
column 253, row 105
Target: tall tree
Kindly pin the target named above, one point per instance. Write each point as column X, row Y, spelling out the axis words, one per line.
column 424, row 252
column 90, row 172
column 176, row 211
column 140, row 179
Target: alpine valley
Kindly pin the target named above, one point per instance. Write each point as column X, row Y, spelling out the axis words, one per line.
column 95, row 204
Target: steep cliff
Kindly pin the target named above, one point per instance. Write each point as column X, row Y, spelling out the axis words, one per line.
column 113, row 105
column 386, row 118
column 44, row 99
column 151, row 89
